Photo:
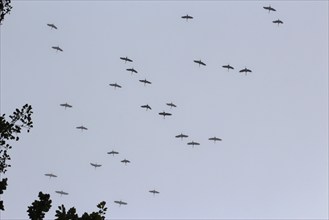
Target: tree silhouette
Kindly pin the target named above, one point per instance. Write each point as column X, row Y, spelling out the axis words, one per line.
column 9, row 131
column 71, row 214
column 39, row 207
column 5, row 8
column 61, row 213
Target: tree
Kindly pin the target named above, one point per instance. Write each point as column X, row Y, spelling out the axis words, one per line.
column 39, row 207
column 61, row 213
column 5, row 8
column 9, row 131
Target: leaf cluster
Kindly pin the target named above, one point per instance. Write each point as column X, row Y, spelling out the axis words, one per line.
column 71, row 214
column 5, row 8
column 39, row 207
column 9, row 130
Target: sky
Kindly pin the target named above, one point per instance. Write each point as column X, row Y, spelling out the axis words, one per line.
column 272, row 162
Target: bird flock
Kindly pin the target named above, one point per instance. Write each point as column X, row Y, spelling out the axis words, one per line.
column 147, row 107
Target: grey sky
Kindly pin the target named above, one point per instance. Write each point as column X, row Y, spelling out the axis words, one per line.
column 273, row 160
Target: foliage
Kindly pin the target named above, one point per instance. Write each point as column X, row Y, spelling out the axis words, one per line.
column 61, row 213
column 9, row 131
column 39, row 207
column 71, row 214
column 3, row 186
column 5, row 8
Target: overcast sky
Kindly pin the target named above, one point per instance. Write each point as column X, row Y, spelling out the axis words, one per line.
column 272, row 161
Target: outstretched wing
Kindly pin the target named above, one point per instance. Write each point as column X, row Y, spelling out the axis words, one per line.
column 228, row 67
column 62, row 192
column 66, row 105
column 269, row 8
column 50, row 175
column 146, row 106
column 278, row 21
column 200, row 62
column 132, row 70
column 179, row 136
column 187, row 17
column 171, row 104
column 126, row 59
column 145, row 81
column 115, row 85
column 52, row 26
column 215, row 139
column 120, row 202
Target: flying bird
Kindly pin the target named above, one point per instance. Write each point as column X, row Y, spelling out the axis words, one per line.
column 181, row 136
column 154, row 192
column 82, row 128
column 146, row 107
column 193, row 143
column 120, row 202
column 115, row 85
column 245, row 70
column 113, row 152
column 164, row 114
column 171, row 105
column 52, row 26
column 269, row 8
column 278, row 22
column 228, row 67
column 187, row 17
column 126, row 59
column 50, row 175
column 132, row 70
column 95, row 165
column 61, row 192
column 199, row 62
column 145, row 81
column 65, row 105
column 215, row 139
column 125, row 161
column 57, row 48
